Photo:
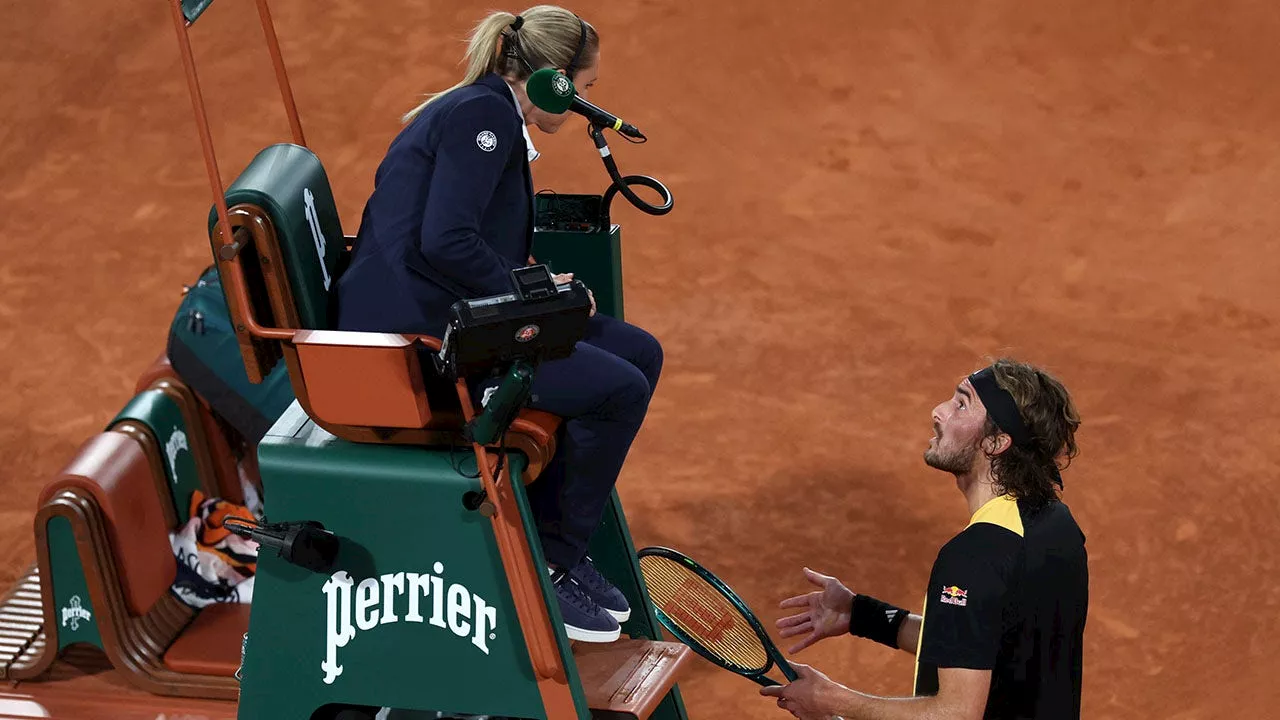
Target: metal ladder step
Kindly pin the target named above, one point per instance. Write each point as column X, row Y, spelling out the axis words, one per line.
column 22, row 623
column 627, row 679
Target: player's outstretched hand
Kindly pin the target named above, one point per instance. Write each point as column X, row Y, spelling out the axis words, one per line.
column 823, row 613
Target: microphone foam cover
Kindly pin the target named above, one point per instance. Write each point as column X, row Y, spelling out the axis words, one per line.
column 550, row 90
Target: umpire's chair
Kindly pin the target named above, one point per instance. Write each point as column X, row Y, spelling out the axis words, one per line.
column 430, row 605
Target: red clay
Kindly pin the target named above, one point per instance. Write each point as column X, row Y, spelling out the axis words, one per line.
column 869, row 200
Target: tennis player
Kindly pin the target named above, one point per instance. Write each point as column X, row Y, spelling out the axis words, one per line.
column 1002, row 632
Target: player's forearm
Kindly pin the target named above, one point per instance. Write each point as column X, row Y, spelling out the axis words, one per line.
column 909, row 633
column 853, row 705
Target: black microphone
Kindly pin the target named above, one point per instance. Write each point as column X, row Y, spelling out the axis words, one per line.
column 306, row 544
column 551, row 90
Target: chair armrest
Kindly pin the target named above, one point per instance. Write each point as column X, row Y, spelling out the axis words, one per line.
column 364, row 379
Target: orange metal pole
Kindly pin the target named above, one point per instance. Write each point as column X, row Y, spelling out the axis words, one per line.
column 202, row 120
column 517, row 561
column 536, row 625
column 235, row 283
column 282, row 77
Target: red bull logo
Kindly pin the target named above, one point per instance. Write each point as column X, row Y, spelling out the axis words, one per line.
column 953, row 595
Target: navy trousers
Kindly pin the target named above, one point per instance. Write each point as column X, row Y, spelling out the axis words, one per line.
column 602, row 391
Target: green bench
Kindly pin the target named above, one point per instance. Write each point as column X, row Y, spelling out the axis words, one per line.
column 105, row 562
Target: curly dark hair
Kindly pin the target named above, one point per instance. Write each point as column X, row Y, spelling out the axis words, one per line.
column 1031, row 473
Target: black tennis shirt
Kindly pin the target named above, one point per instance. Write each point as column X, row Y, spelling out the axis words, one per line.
column 1010, row 594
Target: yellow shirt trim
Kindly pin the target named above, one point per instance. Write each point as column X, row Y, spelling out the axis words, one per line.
column 1001, row 510
column 915, row 677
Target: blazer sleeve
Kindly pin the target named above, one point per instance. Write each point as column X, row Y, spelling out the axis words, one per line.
column 474, row 148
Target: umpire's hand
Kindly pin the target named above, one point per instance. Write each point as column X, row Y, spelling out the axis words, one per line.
column 563, row 278
column 825, row 613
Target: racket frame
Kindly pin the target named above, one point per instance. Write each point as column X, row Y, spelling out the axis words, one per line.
column 772, row 653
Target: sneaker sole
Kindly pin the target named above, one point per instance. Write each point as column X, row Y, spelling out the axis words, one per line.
column 620, row 616
column 592, row 636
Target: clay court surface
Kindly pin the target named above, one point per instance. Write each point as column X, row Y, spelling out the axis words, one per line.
column 870, row 199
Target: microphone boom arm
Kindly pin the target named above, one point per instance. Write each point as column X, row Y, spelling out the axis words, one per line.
column 622, row 184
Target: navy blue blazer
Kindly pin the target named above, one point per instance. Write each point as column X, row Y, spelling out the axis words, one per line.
column 450, row 216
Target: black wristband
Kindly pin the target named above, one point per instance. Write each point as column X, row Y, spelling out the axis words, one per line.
column 876, row 620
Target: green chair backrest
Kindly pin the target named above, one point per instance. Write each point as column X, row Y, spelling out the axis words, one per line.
column 158, row 412
column 288, row 183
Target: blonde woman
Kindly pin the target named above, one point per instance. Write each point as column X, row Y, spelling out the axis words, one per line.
column 449, row 218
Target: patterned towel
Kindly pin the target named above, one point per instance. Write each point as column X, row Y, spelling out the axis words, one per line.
column 214, row 565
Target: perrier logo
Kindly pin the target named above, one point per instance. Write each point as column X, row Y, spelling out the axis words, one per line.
column 177, row 442
column 74, row 613
column 421, row 597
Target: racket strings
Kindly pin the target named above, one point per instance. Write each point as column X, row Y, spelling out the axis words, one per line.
column 703, row 613
column 706, row 615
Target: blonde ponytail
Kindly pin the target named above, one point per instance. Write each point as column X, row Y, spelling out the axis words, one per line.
column 482, row 56
column 550, row 36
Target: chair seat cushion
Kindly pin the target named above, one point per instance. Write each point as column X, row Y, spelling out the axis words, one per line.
column 211, row 643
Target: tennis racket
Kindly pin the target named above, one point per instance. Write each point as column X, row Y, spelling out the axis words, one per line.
column 708, row 616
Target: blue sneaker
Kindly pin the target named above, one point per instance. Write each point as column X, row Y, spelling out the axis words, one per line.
column 606, row 595
column 584, row 619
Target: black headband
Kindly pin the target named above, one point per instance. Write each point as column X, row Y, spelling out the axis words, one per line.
column 1001, row 407
column 572, row 67
column 514, row 47
column 1003, row 411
